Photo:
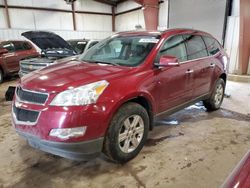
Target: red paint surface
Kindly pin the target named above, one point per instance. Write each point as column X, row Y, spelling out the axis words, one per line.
column 162, row 88
column 9, row 62
column 240, row 177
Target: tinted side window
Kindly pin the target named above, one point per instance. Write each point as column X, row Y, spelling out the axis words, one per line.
column 8, row 45
column 174, row 46
column 196, row 47
column 18, row 46
column 27, row 46
column 213, row 46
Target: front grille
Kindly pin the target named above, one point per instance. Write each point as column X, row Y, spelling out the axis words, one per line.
column 25, row 115
column 31, row 96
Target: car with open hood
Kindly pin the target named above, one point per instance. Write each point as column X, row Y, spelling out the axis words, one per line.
column 53, row 47
column 108, row 99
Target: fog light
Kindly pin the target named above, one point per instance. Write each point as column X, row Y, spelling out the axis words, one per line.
column 66, row 133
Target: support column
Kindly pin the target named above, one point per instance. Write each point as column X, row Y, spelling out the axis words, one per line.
column 7, row 14
column 151, row 13
column 73, row 15
column 113, row 18
column 244, row 45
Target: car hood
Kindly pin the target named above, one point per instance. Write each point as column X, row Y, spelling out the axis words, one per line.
column 47, row 40
column 60, row 77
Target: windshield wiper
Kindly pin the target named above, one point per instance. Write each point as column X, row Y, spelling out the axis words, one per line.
column 104, row 62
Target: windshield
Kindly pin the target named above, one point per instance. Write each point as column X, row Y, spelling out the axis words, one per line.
column 121, row 50
column 78, row 46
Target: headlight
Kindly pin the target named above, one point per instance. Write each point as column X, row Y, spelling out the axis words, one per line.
column 66, row 133
column 83, row 95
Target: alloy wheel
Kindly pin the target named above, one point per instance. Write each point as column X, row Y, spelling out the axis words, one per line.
column 218, row 94
column 131, row 133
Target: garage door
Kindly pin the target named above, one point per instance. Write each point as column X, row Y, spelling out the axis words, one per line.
column 206, row 15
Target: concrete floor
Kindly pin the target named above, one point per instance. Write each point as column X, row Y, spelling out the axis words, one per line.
column 192, row 148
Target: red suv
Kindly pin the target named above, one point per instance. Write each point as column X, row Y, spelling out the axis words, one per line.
column 11, row 52
column 107, row 100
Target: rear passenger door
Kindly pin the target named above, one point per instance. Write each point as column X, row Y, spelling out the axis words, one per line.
column 174, row 84
column 202, row 72
column 213, row 48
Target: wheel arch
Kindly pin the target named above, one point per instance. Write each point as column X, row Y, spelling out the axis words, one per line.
column 140, row 98
column 224, row 77
column 143, row 101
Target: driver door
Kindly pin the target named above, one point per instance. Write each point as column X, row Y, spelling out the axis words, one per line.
column 175, row 84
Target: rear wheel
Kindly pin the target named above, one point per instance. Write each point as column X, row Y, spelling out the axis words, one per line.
column 215, row 100
column 127, row 133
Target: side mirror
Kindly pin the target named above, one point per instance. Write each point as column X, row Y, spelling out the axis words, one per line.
column 168, row 61
column 3, row 51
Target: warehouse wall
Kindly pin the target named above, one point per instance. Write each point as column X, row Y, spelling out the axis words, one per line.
column 87, row 25
column 232, row 37
column 128, row 21
column 206, row 15
column 163, row 15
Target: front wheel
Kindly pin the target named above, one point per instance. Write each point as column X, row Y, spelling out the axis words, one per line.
column 127, row 133
column 216, row 98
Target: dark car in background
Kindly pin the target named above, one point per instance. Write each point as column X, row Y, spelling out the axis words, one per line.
column 81, row 45
column 11, row 52
column 53, row 49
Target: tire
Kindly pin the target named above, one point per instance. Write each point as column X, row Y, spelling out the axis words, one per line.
column 216, row 98
column 127, row 133
column 1, row 76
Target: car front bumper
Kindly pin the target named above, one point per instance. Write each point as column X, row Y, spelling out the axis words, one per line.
column 80, row 151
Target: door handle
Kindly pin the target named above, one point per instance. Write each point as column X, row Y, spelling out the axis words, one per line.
column 212, row 65
column 189, row 71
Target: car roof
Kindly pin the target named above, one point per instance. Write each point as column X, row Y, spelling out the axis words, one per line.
column 159, row 33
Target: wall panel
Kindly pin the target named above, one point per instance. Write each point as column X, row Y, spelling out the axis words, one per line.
column 128, row 5
column 27, row 19
column 88, row 25
column 56, row 21
column 20, row 3
column 12, row 34
column 90, row 22
column 92, row 6
column 207, row 15
column 59, row 4
column 128, row 21
column 3, row 23
column 163, row 15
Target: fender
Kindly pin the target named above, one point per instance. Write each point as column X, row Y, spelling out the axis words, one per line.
column 132, row 96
